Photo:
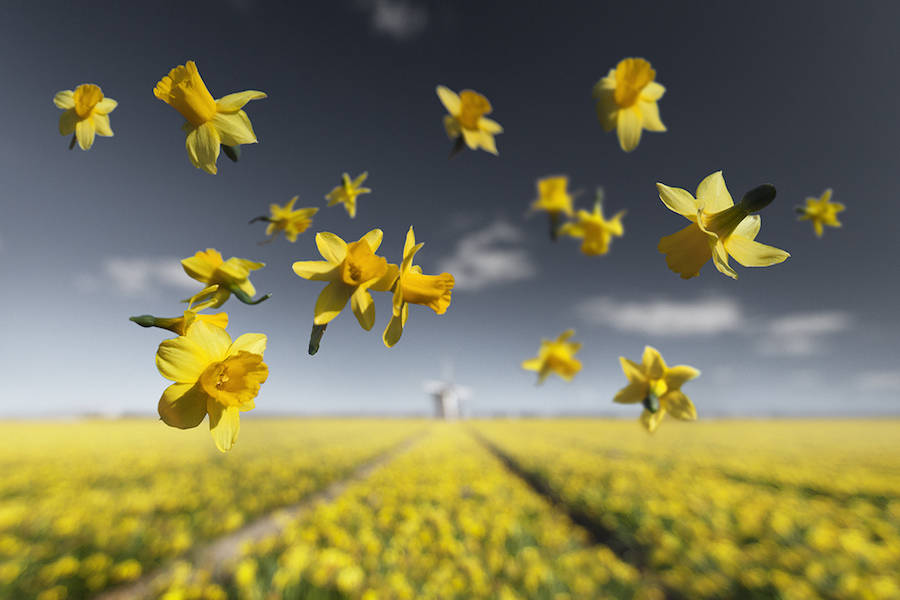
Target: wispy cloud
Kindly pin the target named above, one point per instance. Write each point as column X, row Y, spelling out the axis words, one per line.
column 802, row 333
column 662, row 317
column 401, row 20
column 488, row 257
column 134, row 276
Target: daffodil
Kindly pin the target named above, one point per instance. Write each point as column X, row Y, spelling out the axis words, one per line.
column 596, row 231
column 347, row 192
column 466, row 122
column 351, row 270
column 210, row 123
column 657, row 387
column 85, row 113
column 821, row 211
column 213, row 376
column 554, row 199
column 412, row 287
column 557, row 356
column 626, row 101
column 718, row 228
column 232, row 276
column 285, row 218
column 180, row 325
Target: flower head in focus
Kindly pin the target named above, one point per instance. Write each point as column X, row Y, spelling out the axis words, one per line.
column 232, row 276
column 596, row 231
column 412, row 287
column 657, row 387
column 85, row 113
column 466, row 122
column 557, row 356
column 719, row 228
column 285, row 218
column 347, row 192
column 210, row 123
column 212, row 375
column 821, row 211
column 626, row 101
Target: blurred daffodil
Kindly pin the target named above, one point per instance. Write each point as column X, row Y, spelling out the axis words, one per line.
column 718, row 228
column 285, row 218
column 347, row 192
column 821, row 211
column 232, row 276
column 412, row 287
column 213, row 376
column 466, row 122
column 210, row 123
column 180, row 325
column 657, row 387
column 557, row 356
column 596, row 231
column 626, row 101
column 554, row 199
column 85, row 114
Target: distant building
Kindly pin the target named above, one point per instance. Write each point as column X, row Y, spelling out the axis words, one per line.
column 447, row 396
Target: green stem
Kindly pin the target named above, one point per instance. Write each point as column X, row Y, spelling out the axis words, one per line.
column 243, row 297
column 315, row 338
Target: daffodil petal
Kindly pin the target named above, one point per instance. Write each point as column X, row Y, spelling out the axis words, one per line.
column 713, row 195
column 720, row 260
column 488, row 143
column 633, row 371
column 254, row 343
column 183, row 405
column 198, row 268
column 182, row 359
column 678, row 200
column 629, row 126
column 532, row 364
column 686, row 250
column 203, row 145
column 394, row 329
column 363, row 307
column 386, row 282
column 631, row 393
column 331, row 302
column 653, row 91
column 224, row 424
column 472, row 138
column 449, row 99
column 676, row 376
column 650, row 116
column 651, row 420
column 234, row 129
column 84, row 131
column 679, row 405
column 105, row 106
column 753, row 254
column 489, row 126
column 748, row 228
column 331, row 247
column 64, row 99
column 373, row 239
column 316, row 270
column 101, row 124
column 213, row 340
column 652, row 363
column 235, row 102
column 67, row 122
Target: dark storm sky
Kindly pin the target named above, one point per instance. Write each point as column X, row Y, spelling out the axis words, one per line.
column 802, row 95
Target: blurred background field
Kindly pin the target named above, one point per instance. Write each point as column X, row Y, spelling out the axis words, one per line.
column 532, row 508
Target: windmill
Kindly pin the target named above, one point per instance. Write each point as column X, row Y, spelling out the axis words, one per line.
column 448, row 397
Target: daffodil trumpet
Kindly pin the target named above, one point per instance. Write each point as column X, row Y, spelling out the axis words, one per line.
column 315, row 338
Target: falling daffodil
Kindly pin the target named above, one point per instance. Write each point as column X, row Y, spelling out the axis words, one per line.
column 626, row 101
column 232, row 276
column 412, row 287
column 210, row 123
column 554, row 199
column 212, row 375
column 85, row 114
column 180, row 325
column 466, row 122
column 657, row 387
column 596, row 231
column 821, row 211
column 556, row 356
column 347, row 192
column 718, row 228
column 285, row 218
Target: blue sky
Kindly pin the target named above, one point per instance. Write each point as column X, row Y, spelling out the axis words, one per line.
column 768, row 92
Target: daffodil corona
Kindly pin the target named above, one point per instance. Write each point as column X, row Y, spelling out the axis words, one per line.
column 718, row 228
column 412, row 287
column 556, row 356
column 821, row 211
column 466, row 122
column 210, row 123
column 554, row 199
column 212, row 375
column 285, row 218
column 232, row 276
column 596, row 231
column 347, row 192
column 657, row 387
column 85, row 113
column 626, row 101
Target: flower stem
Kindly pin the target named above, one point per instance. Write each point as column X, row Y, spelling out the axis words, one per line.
column 315, row 338
column 243, row 297
column 72, row 142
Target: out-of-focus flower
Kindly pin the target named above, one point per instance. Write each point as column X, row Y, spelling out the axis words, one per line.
column 85, row 113
column 596, row 231
column 232, row 276
column 210, row 123
column 556, row 356
column 212, row 375
column 412, row 287
column 285, row 218
column 554, row 199
column 657, row 387
column 821, row 211
column 718, row 228
column 180, row 325
column 626, row 101
column 347, row 192
column 466, row 122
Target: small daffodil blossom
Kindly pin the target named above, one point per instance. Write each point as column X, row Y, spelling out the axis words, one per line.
column 626, row 101
column 212, row 375
column 285, row 218
column 85, row 113
column 232, row 276
column 347, row 192
column 821, row 211
column 596, row 231
column 466, row 122
column 412, row 287
column 556, row 356
column 657, row 387
column 210, row 123
column 719, row 228
column 351, row 270
column 180, row 325
column 554, row 199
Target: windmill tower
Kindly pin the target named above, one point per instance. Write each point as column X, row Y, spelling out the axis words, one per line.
column 447, row 396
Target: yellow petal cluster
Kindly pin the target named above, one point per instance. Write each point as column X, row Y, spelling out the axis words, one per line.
column 556, row 356
column 627, row 101
column 596, row 231
column 85, row 113
column 230, row 275
column 553, row 196
column 292, row 222
column 821, row 211
column 347, row 192
column 653, row 382
column 466, row 118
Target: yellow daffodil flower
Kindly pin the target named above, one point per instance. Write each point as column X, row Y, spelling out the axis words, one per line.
column 556, row 356
column 351, row 270
column 626, row 101
column 85, row 113
column 212, row 375
column 821, row 211
column 180, row 325
column 657, row 387
column 285, row 218
column 412, row 287
column 596, row 231
column 554, row 199
column 718, row 228
column 466, row 122
column 347, row 192
column 210, row 123
column 232, row 276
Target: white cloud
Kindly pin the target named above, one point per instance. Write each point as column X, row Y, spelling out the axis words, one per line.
column 399, row 19
column 879, row 381
column 802, row 334
column 490, row 256
column 134, row 276
column 707, row 316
